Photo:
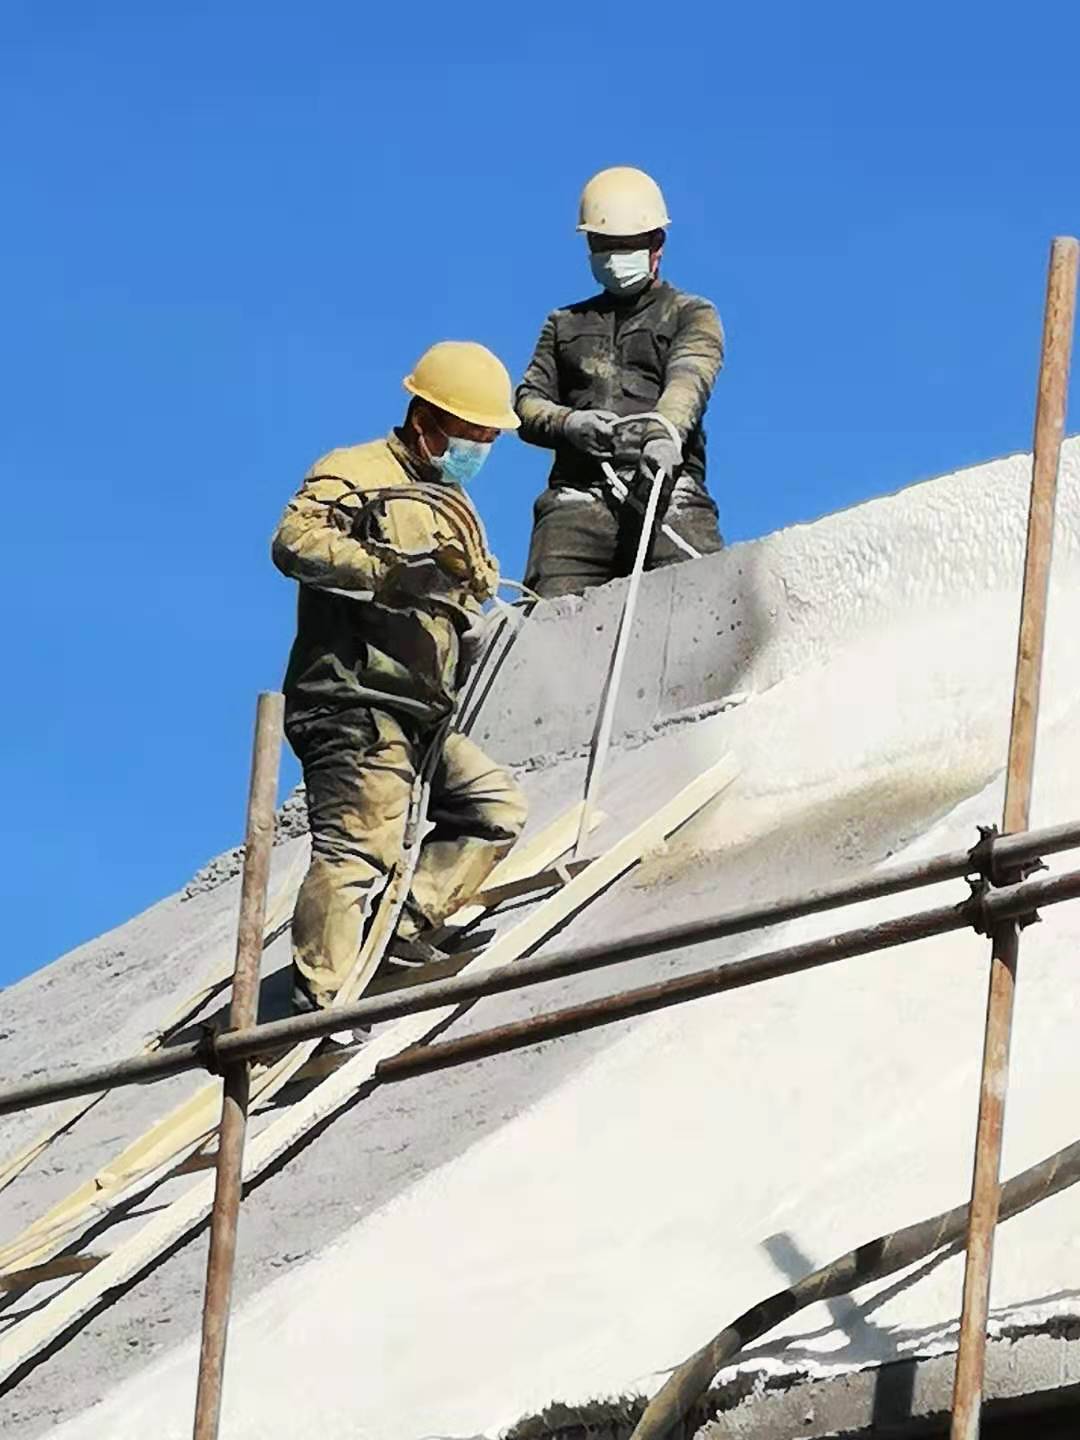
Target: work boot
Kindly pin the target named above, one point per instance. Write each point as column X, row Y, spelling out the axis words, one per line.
column 304, row 1003
column 409, row 952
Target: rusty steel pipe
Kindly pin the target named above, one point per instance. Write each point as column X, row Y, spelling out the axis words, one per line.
column 1009, row 851
column 986, row 1179
column 137, row 1070
column 688, row 1383
column 1007, row 904
column 212, row 1053
column 258, row 845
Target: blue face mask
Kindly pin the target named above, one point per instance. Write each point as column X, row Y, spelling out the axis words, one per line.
column 622, row 272
column 462, row 460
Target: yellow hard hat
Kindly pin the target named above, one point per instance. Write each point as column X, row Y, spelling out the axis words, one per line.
column 622, row 201
column 466, row 380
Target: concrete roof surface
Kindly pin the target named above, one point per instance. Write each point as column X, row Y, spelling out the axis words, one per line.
column 568, row 1221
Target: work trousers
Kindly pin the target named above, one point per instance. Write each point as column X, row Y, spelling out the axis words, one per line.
column 359, row 770
column 585, row 537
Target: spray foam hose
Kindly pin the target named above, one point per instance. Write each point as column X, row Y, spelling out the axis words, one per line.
column 609, row 696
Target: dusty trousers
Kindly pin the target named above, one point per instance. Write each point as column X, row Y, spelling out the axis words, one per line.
column 584, row 537
column 359, row 768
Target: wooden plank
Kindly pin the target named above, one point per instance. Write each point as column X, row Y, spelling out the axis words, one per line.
column 207, row 1159
column 532, row 884
column 178, row 1219
column 215, row 980
column 178, row 1136
column 58, row 1269
column 536, row 855
column 523, row 864
column 186, row 1128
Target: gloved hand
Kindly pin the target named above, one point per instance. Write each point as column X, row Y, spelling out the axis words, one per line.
column 415, row 577
column 590, row 431
column 472, row 642
column 661, row 452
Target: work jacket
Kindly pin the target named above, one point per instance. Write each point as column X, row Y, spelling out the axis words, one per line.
column 660, row 350
column 359, row 641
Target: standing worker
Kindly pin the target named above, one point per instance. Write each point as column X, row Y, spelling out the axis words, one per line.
column 393, row 567
column 641, row 345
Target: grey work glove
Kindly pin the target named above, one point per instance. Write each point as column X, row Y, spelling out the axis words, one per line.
column 660, row 453
column 473, row 641
column 590, row 431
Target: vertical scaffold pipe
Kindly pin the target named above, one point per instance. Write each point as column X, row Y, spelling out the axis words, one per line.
column 986, row 1181
column 258, row 845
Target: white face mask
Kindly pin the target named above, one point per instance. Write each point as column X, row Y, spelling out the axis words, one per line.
column 622, row 272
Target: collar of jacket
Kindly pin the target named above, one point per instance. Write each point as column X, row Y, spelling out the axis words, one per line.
column 410, row 462
column 634, row 304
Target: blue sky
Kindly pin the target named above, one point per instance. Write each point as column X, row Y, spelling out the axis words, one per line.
column 230, row 228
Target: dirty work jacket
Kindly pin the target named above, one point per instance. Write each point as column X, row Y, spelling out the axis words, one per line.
column 360, row 510
column 660, row 350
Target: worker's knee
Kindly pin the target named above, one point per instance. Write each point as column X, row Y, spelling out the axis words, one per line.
column 369, row 834
column 359, row 786
column 475, row 796
column 504, row 808
column 500, row 812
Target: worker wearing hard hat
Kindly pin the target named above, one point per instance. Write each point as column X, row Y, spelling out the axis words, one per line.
column 641, row 345
column 393, row 567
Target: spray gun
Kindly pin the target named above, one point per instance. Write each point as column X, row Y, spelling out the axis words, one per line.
column 622, row 492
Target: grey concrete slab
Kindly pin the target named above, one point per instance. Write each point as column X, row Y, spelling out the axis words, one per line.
column 1038, row 1362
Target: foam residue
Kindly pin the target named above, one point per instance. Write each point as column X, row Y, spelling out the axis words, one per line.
column 712, row 1153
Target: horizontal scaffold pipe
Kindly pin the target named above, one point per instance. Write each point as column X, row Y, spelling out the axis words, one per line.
column 211, row 1052
column 1013, row 902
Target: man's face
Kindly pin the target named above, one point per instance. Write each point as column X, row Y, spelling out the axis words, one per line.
column 438, row 428
column 650, row 243
column 605, row 244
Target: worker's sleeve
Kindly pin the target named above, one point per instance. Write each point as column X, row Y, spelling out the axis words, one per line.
column 537, row 400
column 693, row 363
column 314, row 542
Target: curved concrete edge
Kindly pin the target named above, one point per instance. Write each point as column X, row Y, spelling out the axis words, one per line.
column 766, row 609
column 1032, row 1370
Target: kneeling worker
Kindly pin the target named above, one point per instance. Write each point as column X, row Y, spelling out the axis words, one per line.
column 641, row 345
column 393, row 567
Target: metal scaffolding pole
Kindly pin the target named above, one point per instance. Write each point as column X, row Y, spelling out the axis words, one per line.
column 262, row 798
column 1008, row 851
column 212, row 1053
column 1005, row 937
column 1017, row 901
